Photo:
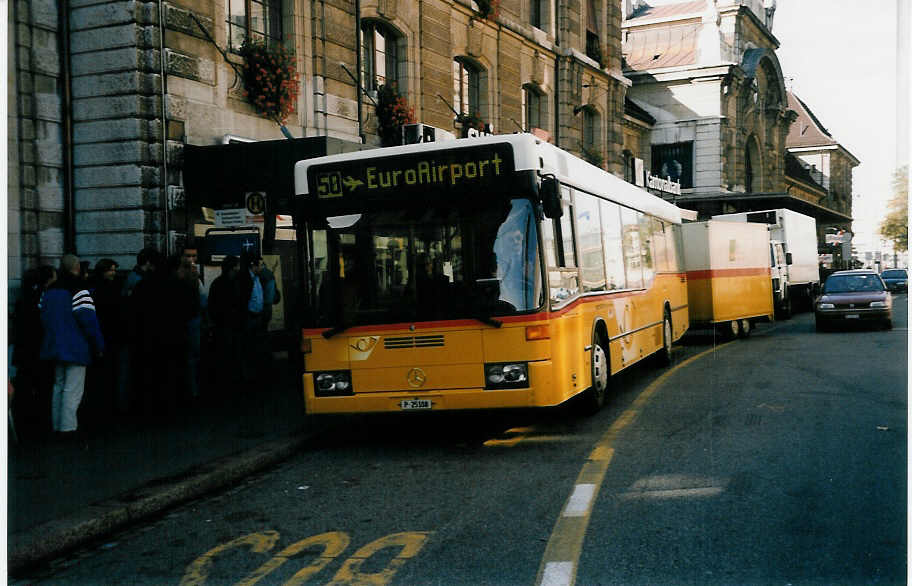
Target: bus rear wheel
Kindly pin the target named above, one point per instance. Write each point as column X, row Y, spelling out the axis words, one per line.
column 667, row 336
column 595, row 395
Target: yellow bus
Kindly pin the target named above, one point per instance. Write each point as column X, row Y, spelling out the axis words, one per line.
column 488, row 272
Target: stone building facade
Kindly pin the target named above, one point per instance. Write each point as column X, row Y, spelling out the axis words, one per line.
column 707, row 72
column 104, row 95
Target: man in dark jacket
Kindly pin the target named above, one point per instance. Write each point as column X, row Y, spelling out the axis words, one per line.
column 72, row 338
column 227, row 311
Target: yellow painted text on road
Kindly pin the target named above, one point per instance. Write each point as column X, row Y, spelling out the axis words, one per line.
column 333, row 544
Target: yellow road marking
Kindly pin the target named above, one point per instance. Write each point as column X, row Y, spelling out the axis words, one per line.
column 510, row 438
column 559, row 562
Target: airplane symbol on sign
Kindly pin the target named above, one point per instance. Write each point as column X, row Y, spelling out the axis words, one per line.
column 352, row 184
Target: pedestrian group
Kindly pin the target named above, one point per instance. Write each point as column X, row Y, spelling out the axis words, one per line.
column 89, row 346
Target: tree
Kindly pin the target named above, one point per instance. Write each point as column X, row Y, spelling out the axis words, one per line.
column 895, row 226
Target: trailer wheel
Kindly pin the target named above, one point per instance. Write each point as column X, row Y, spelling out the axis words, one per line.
column 732, row 329
column 745, row 328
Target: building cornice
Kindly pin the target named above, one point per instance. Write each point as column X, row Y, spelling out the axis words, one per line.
column 682, row 73
column 826, row 147
column 753, row 17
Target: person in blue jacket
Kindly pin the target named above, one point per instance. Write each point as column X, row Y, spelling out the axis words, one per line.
column 72, row 338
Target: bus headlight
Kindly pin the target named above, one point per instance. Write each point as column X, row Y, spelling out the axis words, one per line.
column 506, row 375
column 334, row 383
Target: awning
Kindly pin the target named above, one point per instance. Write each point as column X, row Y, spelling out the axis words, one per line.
column 766, row 201
column 219, row 176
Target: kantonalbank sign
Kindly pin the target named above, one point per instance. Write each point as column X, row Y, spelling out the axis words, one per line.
column 458, row 169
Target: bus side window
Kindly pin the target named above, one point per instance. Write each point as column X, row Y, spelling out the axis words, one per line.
column 633, row 258
column 563, row 276
column 549, row 242
column 672, row 235
column 646, row 248
column 614, row 249
column 592, row 255
column 659, row 250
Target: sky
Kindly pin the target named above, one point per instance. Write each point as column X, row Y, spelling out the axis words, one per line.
column 840, row 58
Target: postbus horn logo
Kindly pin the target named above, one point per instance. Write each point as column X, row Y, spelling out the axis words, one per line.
column 416, row 377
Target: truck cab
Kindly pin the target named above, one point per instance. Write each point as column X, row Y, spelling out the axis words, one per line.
column 779, row 273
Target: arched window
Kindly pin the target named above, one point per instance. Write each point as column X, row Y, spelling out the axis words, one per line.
column 466, row 87
column 380, row 60
column 260, row 20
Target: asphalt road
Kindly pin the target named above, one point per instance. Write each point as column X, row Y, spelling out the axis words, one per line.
column 780, row 459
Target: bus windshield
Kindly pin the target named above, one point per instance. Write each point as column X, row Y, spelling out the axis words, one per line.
column 427, row 263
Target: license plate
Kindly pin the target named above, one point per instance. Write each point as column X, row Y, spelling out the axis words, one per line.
column 410, row 404
column 852, row 316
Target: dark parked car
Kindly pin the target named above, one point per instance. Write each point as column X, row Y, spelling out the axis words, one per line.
column 854, row 297
column 896, row 279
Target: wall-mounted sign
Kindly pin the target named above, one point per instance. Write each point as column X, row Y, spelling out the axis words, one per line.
column 638, row 172
column 230, row 217
column 663, row 185
column 255, row 202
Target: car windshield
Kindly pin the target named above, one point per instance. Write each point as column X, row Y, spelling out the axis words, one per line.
column 427, row 263
column 894, row 274
column 852, row 283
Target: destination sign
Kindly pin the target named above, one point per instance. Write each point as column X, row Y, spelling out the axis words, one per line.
column 458, row 169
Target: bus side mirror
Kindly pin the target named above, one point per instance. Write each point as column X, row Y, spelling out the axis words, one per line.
column 551, row 198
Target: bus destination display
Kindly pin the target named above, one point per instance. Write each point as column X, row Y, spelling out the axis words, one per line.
column 453, row 169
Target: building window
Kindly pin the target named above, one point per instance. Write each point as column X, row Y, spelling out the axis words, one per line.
column 260, row 20
column 533, row 112
column 593, row 47
column 540, row 14
column 590, row 129
column 466, row 88
column 674, row 161
column 380, row 61
column 536, row 14
column 629, row 167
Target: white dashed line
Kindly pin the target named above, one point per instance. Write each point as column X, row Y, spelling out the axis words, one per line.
column 558, row 574
column 580, row 501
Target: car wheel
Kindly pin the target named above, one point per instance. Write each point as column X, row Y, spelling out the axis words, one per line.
column 888, row 324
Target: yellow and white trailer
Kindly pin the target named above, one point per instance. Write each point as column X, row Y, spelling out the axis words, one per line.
column 728, row 275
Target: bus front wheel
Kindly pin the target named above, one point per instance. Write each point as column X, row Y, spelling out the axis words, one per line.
column 595, row 395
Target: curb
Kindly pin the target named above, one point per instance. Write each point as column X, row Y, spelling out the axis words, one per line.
column 55, row 537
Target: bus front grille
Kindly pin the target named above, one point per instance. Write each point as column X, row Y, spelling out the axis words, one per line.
column 413, row 342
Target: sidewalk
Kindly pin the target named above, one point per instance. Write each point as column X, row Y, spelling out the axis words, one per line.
column 61, row 495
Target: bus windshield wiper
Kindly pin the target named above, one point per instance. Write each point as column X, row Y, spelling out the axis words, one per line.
column 485, row 319
column 335, row 330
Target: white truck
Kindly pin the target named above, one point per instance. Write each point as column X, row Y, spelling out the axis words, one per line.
column 793, row 236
